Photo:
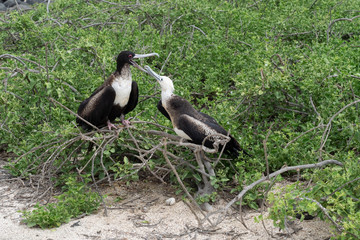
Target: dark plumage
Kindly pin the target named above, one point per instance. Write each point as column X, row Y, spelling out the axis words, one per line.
column 187, row 122
column 117, row 96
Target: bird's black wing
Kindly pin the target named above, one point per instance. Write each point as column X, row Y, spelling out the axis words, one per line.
column 207, row 118
column 97, row 107
column 197, row 130
column 133, row 99
column 163, row 110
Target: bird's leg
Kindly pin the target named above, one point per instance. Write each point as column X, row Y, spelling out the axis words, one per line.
column 110, row 125
column 124, row 121
column 207, row 164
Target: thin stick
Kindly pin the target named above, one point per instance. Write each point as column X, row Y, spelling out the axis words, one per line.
column 353, row 76
column 193, row 26
column 166, row 60
column 313, row 105
column 47, row 7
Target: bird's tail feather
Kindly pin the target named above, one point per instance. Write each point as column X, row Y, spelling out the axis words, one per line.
column 233, row 148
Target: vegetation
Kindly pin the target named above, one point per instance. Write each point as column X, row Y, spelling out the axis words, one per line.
column 283, row 77
column 75, row 201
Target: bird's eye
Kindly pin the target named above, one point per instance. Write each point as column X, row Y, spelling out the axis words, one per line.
column 130, row 56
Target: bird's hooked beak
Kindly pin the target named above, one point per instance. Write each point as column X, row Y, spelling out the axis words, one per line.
column 142, row 56
column 152, row 73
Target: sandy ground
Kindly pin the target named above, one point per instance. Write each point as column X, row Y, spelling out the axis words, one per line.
column 141, row 214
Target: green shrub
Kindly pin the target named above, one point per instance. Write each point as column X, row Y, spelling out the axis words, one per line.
column 73, row 202
column 250, row 65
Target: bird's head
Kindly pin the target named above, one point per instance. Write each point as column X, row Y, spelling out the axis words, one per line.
column 128, row 57
column 166, row 83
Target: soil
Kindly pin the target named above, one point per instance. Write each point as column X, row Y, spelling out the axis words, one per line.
column 139, row 211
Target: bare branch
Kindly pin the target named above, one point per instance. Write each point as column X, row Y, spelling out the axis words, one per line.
column 313, row 4
column 164, row 134
column 48, row 6
column 262, row 208
column 71, row 87
column 313, row 105
column 166, row 60
column 293, row 34
column 174, row 23
column 197, row 28
column 353, row 76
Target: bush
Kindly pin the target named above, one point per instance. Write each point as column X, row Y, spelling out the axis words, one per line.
column 292, row 66
column 75, row 201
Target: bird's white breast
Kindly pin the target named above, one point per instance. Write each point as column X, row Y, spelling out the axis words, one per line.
column 122, row 89
column 165, row 97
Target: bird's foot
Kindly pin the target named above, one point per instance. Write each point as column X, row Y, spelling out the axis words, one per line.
column 126, row 123
column 110, row 125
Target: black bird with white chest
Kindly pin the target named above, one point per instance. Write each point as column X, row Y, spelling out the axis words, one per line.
column 187, row 122
column 117, row 96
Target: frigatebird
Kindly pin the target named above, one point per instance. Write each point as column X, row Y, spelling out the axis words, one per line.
column 189, row 123
column 117, row 96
